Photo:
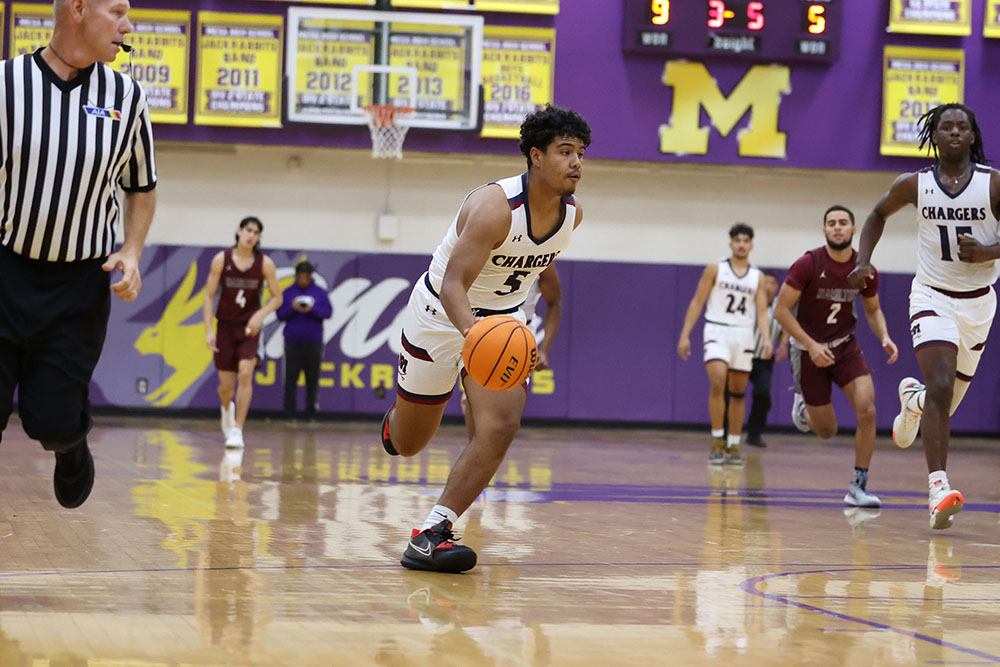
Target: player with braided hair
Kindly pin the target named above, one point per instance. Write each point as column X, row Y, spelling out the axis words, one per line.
column 952, row 301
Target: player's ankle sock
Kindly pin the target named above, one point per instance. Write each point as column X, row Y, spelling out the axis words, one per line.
column 861, row 477
column 937, row 475
column 718, row 433
column 732, row 440
column 437, row 515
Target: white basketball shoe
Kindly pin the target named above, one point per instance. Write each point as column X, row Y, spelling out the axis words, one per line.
column 799, row 414
column 859, row 497
column 228, row 419
column 944, row 503
column 234, row 438
column 906, row 425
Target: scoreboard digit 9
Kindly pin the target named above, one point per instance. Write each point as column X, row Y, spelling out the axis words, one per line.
column 756, row 30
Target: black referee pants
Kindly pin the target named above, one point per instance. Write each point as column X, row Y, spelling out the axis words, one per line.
column 53, row 319
column 301, row 357
column 760, row 378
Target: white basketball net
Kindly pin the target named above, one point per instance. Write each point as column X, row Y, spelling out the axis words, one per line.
column 388, row 124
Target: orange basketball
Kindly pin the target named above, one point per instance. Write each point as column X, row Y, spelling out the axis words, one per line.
column 499, row 352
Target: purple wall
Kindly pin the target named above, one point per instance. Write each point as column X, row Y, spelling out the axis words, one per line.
column 832, row 115
column 614, row 359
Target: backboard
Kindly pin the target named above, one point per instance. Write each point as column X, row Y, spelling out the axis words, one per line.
column 330, row 51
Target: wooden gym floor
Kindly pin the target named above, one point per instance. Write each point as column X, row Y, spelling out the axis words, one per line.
column 596, row 547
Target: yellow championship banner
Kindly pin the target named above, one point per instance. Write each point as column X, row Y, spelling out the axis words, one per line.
column 523, row 6
column 326, row 52
column 518, row 76
column 160, row 60
column 239, row 70
column 439, row 54
column 914, row 81
column 931, row 17
column 30, row 28
column 520, row 6
column 356, row 3
column 991, row 26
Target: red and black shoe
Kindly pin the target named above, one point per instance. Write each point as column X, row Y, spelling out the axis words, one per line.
column 434, row 549
column 386, row 442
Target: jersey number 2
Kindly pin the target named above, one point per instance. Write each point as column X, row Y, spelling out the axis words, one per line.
column 945, row 246
column 834, row 309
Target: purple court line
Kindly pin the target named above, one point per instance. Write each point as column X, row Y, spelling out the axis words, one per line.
column 829, row 567
column 750, row 586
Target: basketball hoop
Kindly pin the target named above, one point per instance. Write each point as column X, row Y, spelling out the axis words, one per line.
column 388, row 124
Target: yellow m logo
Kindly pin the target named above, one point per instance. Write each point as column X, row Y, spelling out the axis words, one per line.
column 759, row 92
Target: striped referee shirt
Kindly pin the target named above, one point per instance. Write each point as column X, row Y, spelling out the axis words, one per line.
column 758, row 346
column 66, row 148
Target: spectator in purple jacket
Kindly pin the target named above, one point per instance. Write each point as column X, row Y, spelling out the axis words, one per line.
column 304, row 306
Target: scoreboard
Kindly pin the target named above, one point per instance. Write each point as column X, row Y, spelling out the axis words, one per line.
column 756, row 30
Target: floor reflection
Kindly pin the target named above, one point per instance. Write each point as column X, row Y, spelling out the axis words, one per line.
column 596, row 547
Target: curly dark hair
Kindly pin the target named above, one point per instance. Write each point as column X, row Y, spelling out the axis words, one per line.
column 741, row 228
column 928, row 124
column 540, row 128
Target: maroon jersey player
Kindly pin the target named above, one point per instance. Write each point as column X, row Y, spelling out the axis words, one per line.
column 240, row 271
column 824, row 350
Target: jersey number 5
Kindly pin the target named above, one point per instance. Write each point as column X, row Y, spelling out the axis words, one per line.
column 945, row 246
column 513, row 281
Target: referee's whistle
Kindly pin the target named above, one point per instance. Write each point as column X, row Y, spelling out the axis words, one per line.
column 124, row 47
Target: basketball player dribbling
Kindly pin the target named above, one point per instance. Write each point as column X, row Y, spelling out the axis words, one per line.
column 547, row 288
column 825, row 351
column 736, row 301
column 504, row 235
column 240, row 270
column 952, row 302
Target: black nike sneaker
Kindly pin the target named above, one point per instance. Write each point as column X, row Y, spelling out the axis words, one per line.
column 435, row 550
column 386, row 442
column 74, row 475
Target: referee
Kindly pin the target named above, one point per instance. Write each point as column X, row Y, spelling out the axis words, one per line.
column 72, row 131
column 762, row 369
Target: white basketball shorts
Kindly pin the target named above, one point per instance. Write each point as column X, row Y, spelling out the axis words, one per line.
column 960, row 323
column 431, row 358
column 733, row 345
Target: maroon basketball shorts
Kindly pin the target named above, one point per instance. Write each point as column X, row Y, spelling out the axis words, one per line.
column 234, row 345
column 816, row 383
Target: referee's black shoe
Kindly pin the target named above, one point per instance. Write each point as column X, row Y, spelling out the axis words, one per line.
column 434, row 549
column 74, row 475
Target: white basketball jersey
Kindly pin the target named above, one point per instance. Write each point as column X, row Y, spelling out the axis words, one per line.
column 732, row 299
column 531, row 301
column 941, row 217
column 513, row 268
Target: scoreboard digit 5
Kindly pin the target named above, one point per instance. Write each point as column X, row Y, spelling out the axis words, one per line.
column 757, row 30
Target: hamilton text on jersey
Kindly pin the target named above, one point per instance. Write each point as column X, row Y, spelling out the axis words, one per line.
column 242, row 283
column 837, row 294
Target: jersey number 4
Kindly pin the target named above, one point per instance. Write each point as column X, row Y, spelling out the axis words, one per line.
column 945, row 246
column 733, row 308
column 241, row 299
